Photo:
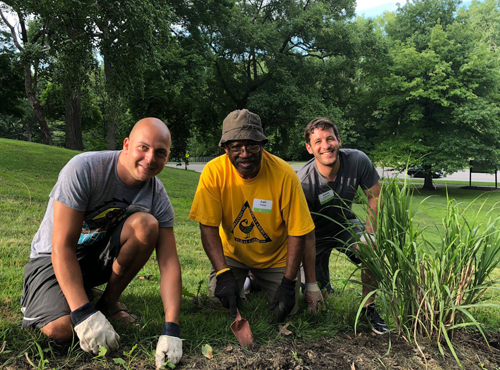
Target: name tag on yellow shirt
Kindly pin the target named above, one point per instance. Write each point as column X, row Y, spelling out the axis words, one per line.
column 261, row 205
column 325, row 197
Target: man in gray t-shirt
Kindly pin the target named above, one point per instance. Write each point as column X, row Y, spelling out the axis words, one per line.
column 330, row 182
column 106, row 214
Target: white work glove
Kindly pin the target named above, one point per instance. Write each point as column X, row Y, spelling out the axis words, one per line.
column 313, row 297
column 93, row 329
column 169, row 345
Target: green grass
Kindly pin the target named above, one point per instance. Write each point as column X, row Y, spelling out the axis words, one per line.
column 27, row 174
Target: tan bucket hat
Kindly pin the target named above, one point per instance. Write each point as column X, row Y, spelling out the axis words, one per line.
column 242, row 125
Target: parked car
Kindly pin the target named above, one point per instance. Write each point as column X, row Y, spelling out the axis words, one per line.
column 418, row 172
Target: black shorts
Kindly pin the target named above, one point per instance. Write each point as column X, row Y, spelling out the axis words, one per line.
column 343, row 241
column 43, row 301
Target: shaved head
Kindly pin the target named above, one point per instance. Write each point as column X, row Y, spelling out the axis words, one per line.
column 145, row 151
column 150, row 123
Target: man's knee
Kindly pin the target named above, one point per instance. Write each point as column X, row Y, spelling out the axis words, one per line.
column 60, row 329
column 143, row 228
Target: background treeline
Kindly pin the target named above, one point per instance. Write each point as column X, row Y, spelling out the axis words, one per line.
column 417, row 86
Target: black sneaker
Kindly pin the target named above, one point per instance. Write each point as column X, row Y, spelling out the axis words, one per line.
column 378, row 325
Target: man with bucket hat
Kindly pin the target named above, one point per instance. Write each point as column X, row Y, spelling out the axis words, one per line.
column 253, row 216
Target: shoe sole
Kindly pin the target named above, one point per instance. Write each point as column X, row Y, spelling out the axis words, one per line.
column 379, row 332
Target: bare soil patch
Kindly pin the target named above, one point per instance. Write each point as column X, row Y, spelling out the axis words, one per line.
column 362, row 351
column 345, row 351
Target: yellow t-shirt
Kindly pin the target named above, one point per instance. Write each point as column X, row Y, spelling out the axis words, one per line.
column 255, row 216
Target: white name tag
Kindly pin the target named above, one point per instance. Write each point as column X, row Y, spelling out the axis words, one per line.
column 326, row 197
column 263, row 206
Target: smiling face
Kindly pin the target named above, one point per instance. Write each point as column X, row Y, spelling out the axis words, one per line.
column 145, row 152
column 245, row 156
column 324, row 145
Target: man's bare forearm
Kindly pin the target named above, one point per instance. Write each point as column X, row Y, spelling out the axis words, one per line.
column 67, row 228
column 69, row 276
column 295, row 253
column 170, row 272
column 309, row 261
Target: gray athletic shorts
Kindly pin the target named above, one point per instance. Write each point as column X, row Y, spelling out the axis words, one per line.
column 43, row 301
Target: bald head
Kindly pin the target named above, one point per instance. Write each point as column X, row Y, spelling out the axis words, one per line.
column 145, row 152
column 151, row 124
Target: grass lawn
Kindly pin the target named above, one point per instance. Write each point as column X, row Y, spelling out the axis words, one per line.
column 27, row 174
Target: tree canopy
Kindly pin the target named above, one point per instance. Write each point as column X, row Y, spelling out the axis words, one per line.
column 416, row 86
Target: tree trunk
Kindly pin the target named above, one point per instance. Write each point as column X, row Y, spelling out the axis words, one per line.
column 73, row 118
column 36, row 107
column 27, row 128
column 112, row 116
column 428, row 182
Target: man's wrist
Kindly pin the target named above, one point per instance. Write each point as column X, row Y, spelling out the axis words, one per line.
column 290, row 284
column 82, row 313
column 312, row 287
column 221, row 271
column 171, row 329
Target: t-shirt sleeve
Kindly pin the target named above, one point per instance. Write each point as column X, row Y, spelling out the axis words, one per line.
column 207, row 203
column 307, row 185
column 296, row 212
column 369, row 175
column 163, row 210
column 73, row 185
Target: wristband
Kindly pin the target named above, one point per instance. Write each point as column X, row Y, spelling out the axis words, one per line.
column 82, row 313
column 315, row 283
column 171, row 329
column 222, row 271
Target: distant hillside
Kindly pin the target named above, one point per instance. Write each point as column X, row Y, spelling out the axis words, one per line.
column 391, row 6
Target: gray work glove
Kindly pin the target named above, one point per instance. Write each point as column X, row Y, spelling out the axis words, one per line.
column 169, row 345
column 313, row 297
column 93, row 329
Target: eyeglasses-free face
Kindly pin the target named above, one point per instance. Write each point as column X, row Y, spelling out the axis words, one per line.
column 245, row 156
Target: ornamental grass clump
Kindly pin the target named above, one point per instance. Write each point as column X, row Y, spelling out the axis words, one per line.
column 428, row 288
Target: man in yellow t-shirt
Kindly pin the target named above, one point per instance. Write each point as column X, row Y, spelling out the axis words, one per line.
column 253, row 216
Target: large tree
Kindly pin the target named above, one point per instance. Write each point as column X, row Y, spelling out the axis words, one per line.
column 286, row 60
column 11, row 82
column 129, row 37
column 439, row 103
column 33, row 58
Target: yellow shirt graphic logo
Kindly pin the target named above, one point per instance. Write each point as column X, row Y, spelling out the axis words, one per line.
column 242, row 227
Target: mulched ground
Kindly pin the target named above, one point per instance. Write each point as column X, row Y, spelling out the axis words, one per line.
column 345, row 351
column 362, row 351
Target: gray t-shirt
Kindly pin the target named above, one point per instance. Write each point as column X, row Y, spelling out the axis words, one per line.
column 334, row 199
column 89, row 182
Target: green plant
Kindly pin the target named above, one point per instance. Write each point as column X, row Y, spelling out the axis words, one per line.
column 430, row 288
column 126, row 364
column 296, row 356
column 101, row 357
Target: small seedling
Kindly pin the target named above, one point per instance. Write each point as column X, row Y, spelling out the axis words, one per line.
column 121, row 361
column 296, row 356
column 101, row 357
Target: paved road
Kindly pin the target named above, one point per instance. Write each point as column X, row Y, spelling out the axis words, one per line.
column 457, row 176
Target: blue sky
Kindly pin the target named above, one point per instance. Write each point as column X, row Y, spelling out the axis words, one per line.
column 367, row 4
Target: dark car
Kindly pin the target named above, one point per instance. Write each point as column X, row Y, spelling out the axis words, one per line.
column 418, row 172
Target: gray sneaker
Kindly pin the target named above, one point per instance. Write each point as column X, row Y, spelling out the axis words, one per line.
column 378, row 325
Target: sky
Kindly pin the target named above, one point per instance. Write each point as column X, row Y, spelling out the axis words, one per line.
column 367, row 4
